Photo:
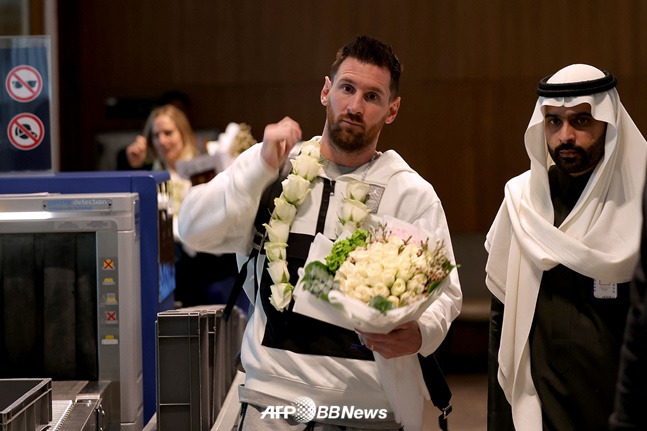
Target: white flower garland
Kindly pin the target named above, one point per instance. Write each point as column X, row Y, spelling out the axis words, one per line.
column 353, row 210
column 306, row 167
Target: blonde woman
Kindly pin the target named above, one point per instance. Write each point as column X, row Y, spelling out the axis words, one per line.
column 201, row 278
column 168, row 138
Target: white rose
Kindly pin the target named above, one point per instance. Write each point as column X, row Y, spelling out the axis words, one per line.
column 357, row 190
column 399, row 287
column 405, row 270
column 278, row 271
column 311, row 148
column 345, row 269
column 391, row 262
column 417, row 284
column 359, row 254
column 394, row 300
column 346, row 225
column 351, row 283
column 363, row 293
column 395, row 241
column 373, row 273
column 278, row 231
column 390, row 249
column 388, row 276
column 354, row 210
column 275, row 251
column 375, row 249
column 306, row 166
column 281, row 295
column 361, row 268
column 355, row 295
column 284, row 210
column 382, row 290
column 411, row 251
column 295, row 189
column 421, row 262
column 420, row 278
column 343, row 286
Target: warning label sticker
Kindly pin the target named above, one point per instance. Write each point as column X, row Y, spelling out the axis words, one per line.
column 24, row 83
column 25, row 131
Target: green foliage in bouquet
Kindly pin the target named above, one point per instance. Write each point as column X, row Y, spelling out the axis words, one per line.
column 341, row 249
column 381, row 303
column 318, row 279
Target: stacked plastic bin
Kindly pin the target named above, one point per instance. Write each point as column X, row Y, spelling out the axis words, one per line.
column 196, row 351
column 25, row 404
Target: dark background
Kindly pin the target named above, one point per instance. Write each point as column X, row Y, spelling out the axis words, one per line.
column 468, row 87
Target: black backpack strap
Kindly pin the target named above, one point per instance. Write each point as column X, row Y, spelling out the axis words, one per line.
column 263, row 214
column 437, row 386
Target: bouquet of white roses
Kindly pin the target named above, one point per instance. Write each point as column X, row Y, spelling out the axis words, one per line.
column 373, row 279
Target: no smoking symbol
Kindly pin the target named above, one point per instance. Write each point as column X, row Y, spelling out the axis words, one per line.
column 24, row 83
column 25, row 131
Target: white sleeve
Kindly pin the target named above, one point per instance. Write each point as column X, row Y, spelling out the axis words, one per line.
column 436, row 320
column 218, row 217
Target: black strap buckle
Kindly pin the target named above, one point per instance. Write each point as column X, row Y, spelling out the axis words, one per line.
column 258, row 240
column 442, row 419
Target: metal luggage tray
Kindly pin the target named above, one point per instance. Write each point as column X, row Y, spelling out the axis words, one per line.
column 25, row 404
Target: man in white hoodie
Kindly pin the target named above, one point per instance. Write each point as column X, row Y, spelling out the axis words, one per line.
column 288, row 356
column 561, row 250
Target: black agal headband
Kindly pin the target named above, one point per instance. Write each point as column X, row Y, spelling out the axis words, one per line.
column 572, row 89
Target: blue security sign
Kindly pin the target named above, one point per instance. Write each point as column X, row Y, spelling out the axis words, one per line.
column 25, row 142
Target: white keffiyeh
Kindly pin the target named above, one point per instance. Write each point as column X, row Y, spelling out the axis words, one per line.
column 599, row 238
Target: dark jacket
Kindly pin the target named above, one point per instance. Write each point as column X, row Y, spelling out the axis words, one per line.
column 631, row 392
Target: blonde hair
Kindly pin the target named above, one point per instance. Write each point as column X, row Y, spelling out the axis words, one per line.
column 189, row 148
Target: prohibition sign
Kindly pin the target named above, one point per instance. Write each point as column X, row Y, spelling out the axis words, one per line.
column 25, row 131
column 24, row 83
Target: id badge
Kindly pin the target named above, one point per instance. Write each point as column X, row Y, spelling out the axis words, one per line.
column 605, row 290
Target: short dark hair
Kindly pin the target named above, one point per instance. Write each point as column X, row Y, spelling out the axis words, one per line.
column 371, row 51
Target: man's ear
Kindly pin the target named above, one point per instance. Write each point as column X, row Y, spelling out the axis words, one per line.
column 394, row 107
column 325, row 90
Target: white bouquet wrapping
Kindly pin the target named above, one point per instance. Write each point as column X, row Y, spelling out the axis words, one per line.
column 372, row 281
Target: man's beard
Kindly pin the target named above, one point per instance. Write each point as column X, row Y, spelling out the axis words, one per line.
column 583, row 161
column 350, row 139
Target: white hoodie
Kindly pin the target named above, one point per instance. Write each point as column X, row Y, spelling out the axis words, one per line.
column 218, row 217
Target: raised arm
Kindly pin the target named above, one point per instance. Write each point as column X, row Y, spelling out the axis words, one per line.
column 218, row 217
